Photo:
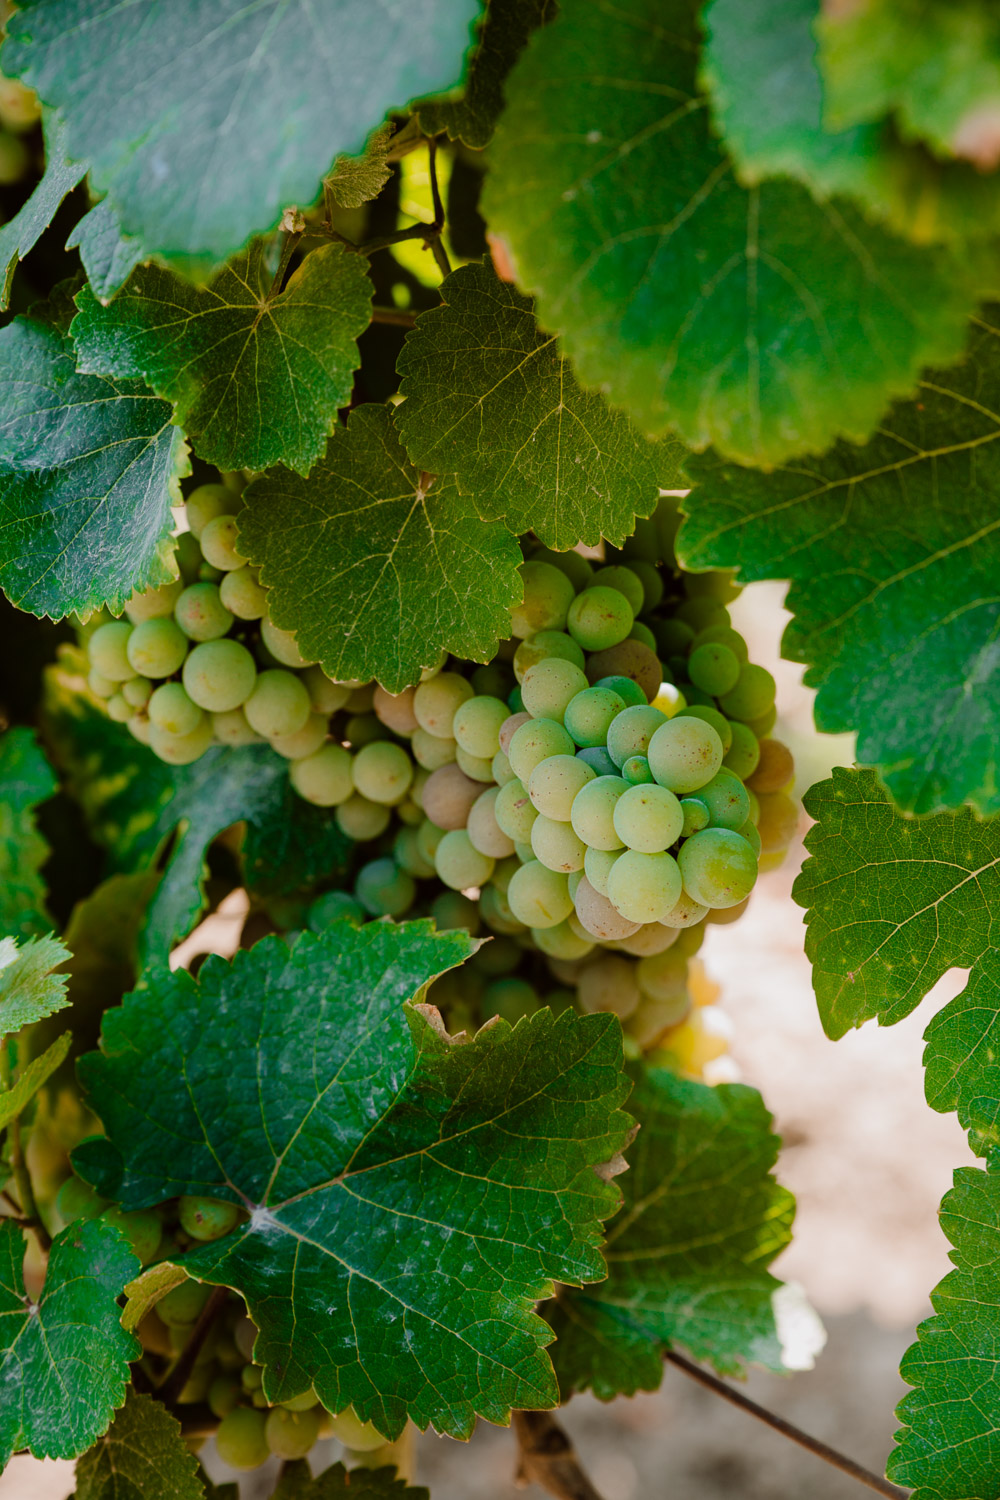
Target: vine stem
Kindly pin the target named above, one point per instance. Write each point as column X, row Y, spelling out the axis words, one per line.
column 394, row 315
column 180, row 1374
column 789, row 1430
column 437, row 245
column 548, row 1458
column 22, row 1177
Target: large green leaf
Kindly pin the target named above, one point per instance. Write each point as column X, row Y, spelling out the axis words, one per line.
column 109, row 256
column 766, row 50
column 490, row 399
column 256, row 374
column 142, row 1456
column 89, row 468
column 21, row 233
column 755, row 319
column 27, row 779
column 376, row 566
column 29, row 987
column 63, row 1359
column 203, row 120
column 948, row 1447
column 409, row 1198
column 880, row 542
column 688, row 1254
column 504, row 30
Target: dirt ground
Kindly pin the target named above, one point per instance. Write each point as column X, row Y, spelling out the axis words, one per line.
column 868, row 1162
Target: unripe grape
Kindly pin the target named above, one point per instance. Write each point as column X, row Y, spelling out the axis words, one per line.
column 743, row 755
column 142, row 1228
column 696, row 815
column 548, row 595
column 200, row 613
column 726, row 799
column 207, row 502
column 334, row 906
column 78, row 1200
column 608, row 984
column 641, row 632
column 598, row 916
column 361, row 698
column 241, row 1440
column 627, row 582
column 752, row 696
column 220, row 675
column 139, row 727
column 684, row 754
column 107, row 649
column 700, row 613
column 663, row 976
column 431, row 751
column 251, row 1377
column 154, row 604
column 628, row 659
column 718, row 867
column 223, row 1395
column 514, row 811
column 775, row 769
column 509, row 728
column 556, row 845
column 232, row 729
column 348, row 1428
column 590, row 714
column 628, row 691
column 396, row 709
column 652, row 937
column 278, row 702
column 599, row 618
column 685, row 913
column 359, row 818
column 156, row 648
column 534, row 742
column 282, row 645
column 476, row 726
column 597, row 867
column 183, row 1304
column 485, row 833
column 598, row 759
column 636, row 771
column 577, row 569
column 459, row 864
column 383, row 772
column 101, row 687
column 181, row 749
column 429, row 835
column 326, row 697
column 723, row 635
column 118, row 709
column 496, row 911
column 494, row 680
column 451, row 911
column 539, row 897
column 136, row 691
column 448, row 797
column 385, row 890
column 475, row 768
column 502, row 769
column 778, row 821
column 436, row 702
column 593, row 812
column 555, row 782
column 207, row 1218
column 562, row 941
column 550, row 686
column 219, row 543
column 708, row 714
column 714, row 668
column 750, row 833
column 365, row 729
column 763, row 726
column 632, row 730
column 511, row 999
column 498, row 956
column 543, row 646
column 324, row 778
column 652, row 583
column 648, row 818
column 644, row 887
column 291, row 1434
column 243, row 595
column 303, row 742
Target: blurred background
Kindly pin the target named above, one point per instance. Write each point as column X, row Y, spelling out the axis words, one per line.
column 866, row 1158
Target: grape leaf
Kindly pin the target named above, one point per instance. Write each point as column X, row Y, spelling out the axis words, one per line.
column 21, row 233
column 356, row 180
column 490, row 400
column 755, row 319
column 879, row 542
column 142, row 1456
column 31, row 1078
column 29, row 989
column 410, row 1198
column 256, row 375
column 89, row 468
column 142, row 1294
column 27, row 779
column 109, row 256
column 934, row 63
column 337, row 1483
column 203, row 121
column 767, row 50
column 688, row 1254
column 63, row 1359
column 947, row 1449
column 134, row 803
column 374, row 566
column 960, row 1056
column 503, row 33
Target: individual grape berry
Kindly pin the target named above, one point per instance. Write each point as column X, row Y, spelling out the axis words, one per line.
column 514, row 811
column 496, row 911
column 493, row 680
column 763, row 726
column 590, row 714
column 395, row 710
column 431, row 751
column 448, row 797
column 476, row 726
column 107, row 649
column 648, row 819
column 334, row 906
column 136, row 691
column 383, row 772
column 291, row 1434
column 598, row 759
column 566, row 940
column 663, row 976
column 709, row 714
column 549, row 687
column 101, row 687
column 599, row 618
column 509, row 998
column 232, row 729
column 428, row 838
column 644, row 887
column 485, row 833
column 641, row 632
column 278, row 702
column 750, row 833
column 556, row 845
column 476, row 769
column 451, row 910
column 696, row 815
column 324, row 778
column 627, row 582
column 406, row 852
column 652, row 583
column 628, row 691
column 543, row 646
column 219, row 543
column 726, row 799
column 723, row 635
column 752, row 696
column 555, row 782
column 628, row 659
column 777, row 822
column 184, row 1304
column 686, row 913
column 201, row 614
column 224, row 1395
column 118, row 709
column 304, row 742
column 385, row 890
column 636, row 771
column 652, row 937
column 436, row 702
column 743, row 755
column 577, row 569
column 282, row 645
column 598, row 917
column 608, row 983
column 775, row 769
column 241, row 1439
column 207, row 502
column 593, row 812
column 548, row 595
column 631, row 732
column 459, row 864
column 361, row 1437
column 509, row 728
column 502, row 769
column 139, row 727
column 597, row 867
column 181, row 749
column 700, row 613
column 326, row 697
column 154, row 604
column 220, row 675
column 718, row 867
column 242, row 594
column 714, row 668
column 78, row 1200
column 534, row 741
column 684, row 754
column 207, row 1218
column 142, row 1228
column 360, row 819
column 539, row 897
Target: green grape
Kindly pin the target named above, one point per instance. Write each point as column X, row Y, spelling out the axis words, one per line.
column 223, row 1395
column 476, row 726
column 641, row 632
column 361, row 698
column 220, row 675
column 577, row 569
column 187, row 556
column 775, row 769
column 485, row 833
column 364, row 729
column 181, row 749
column 714, row 668
column 139, row 727
column 101, row 687
column 307, row 1401
column 698, row 699
column 448, row 797
column 142, row 1228
column 243, row 595
column 709, row 714
column 509, row 728
column 555, row 782
column 598, row 759
column 754, row 807
column 431, row 751
column 207, row 502
column 394, row 710
column 562, row 941
column 451, row 911
column 636, row 771
column 383, row 772
column 282, row 645
column 219, row 544
column 207, row 574
column 548, row 594
column 496, row 911
column 360, row 1437
column 590, row 714
column 107, row 649
column 171, row 709
column 652, row 584
column 291, row 1434
column 685, row 913
column 753, row 695
column 535, row 741
column 251, row 1377
column 435, row 703
column 549, row 687
column 625, row 580
column 763, row 725
column 136, row 691
column 743, row 755
column 700, row 613
column 726, row 798
column 360, row 819
column 684, row 753
column 524, row 852
column 631, row 732
column 245, row 1336
column 241, row 1440
column 643, row 543
column 184, row 1304
column 663, row 976
column 696, row 815
column 777, row 821
column 406, row 852
column 475, row 768
column 501, row 769
column 324, row 778
column 628, row 691
column 231, row 728
column 719, row 586
column 673, row 638
column 207, row 1218
column 514, row 811
column 304, row 742
column 459, row 864
column 429, row 835
column 593, row 812
column 556, row 845
column 154, row 604
column 723, row 635
column 539, row 897
column 753, row 838
column 498, row 956
column 652, row 937
column 278, row 702
column 78, row 1200
column 597, row 867
column 718, row 867
column 599, row 618
column 542, row 647
column 118, row 709
column 644, row 887
column 510, row 999
column 515, row 702
column 334, row 906
column 200, row 613
column 608, row 983
column 492, row 681
column 326, row 697
column 648, row 818
column 385, row 890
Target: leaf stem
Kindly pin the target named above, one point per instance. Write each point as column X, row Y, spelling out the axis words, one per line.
column 394, row 315
column 178, row 1378
column 288, row 243
column 548, row 1458
column 788, row 1429
column 437, row 246
column 22, row 1177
